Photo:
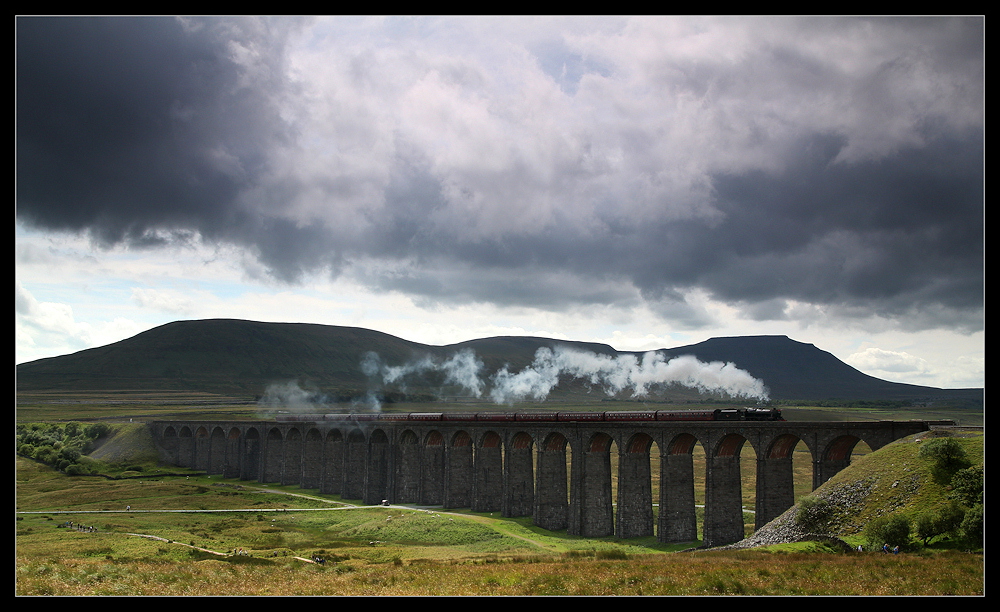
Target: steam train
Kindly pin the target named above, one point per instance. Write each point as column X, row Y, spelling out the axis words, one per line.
column 719, row 414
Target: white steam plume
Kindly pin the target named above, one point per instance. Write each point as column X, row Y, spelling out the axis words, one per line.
column 613, row 374
column 460, row 369
column 616, row 374
column 371, row 366
column 291, row 396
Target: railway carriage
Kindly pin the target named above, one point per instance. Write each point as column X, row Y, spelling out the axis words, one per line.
column 611, row 416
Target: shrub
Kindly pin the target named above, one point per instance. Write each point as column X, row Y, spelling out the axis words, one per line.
column 972, row 526
column 813, row 514
column 932, row 524
column 77, row 470
column 892, row 529
column 611, row 555
column 96, row 430
column 967, row 486
column 58, row 445
column 948, row 457
column 70, row 454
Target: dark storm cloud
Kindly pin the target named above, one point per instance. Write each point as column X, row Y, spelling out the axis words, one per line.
column 899, row 234
column 127, row 126
column 905, row 229
column 836, row 163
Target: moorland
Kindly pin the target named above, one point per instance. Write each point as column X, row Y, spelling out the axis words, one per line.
column 142, row 528
column 97, row 513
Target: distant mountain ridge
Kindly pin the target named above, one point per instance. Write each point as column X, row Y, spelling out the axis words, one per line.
column 243, row 357
column 797, row 370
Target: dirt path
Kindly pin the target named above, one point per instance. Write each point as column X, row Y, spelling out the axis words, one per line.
column 206, row 550
column 302, row 495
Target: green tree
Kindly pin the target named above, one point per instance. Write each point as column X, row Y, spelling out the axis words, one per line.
column 934, row 523
column 70, row 454
column 972, row 526
column 96, row 430
column 967, row 486
column 947, row 455
column 891, row 529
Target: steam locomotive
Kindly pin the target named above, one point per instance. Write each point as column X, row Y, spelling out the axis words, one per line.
column 719, row 414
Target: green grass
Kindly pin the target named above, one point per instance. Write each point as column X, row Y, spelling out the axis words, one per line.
column 728, row 573
column 394, row 551
column 895, row 480
column 51, row 408
column 304, row 520
column 428, row 551
column 973, row 417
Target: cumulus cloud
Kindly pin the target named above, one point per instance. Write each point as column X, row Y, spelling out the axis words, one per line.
column 48, row 327
column 164, row 301
column 876, row 359
column 837, row 163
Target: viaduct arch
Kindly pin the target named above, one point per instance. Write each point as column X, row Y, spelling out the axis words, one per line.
column 558, row 473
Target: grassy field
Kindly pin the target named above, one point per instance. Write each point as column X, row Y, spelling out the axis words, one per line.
column 41, row 406
column 53, row 406
column 732, row 573
column 179, row 536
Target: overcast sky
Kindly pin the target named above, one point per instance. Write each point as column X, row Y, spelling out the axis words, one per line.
column 644, row 182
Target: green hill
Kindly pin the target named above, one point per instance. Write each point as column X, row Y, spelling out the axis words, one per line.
column 235, row 357
column 894, row 480
column 796, row 370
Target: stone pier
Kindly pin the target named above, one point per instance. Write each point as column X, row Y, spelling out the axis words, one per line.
column 560, row 474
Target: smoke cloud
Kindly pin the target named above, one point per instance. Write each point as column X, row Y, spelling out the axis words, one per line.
column 462, row 369
column 292, row 397
column 613, row 374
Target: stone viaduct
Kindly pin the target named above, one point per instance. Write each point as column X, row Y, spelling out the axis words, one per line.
column 559, row 473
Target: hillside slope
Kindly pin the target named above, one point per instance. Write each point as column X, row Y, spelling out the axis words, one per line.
column 236, row 356
column 245, row 357
column 796, row 370
column 893, row 479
